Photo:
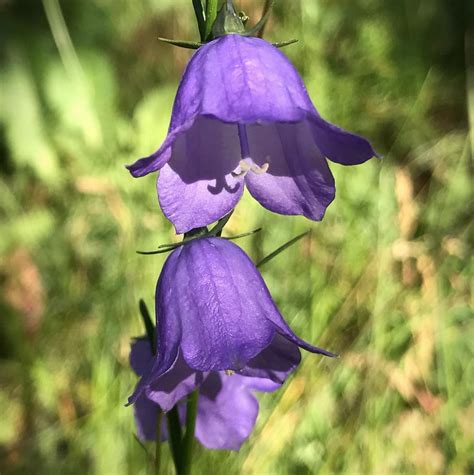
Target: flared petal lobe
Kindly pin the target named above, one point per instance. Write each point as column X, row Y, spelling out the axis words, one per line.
column 298, row 180
column 146, row 417
column 275, row 362
column 169, row 330
column 227, row 411
column 168, row 388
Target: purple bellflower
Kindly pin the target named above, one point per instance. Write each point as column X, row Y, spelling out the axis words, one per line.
column 242, row 115
column 227, row 408
column 215, row 313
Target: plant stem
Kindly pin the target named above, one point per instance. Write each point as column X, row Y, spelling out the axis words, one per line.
column 211, row 14
column 187, row 446
column 266, row 8
column 175, row 436
column 198, row 11
column 159, row 420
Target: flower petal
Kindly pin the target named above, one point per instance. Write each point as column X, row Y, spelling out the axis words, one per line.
column 141, row 356
column 179, row 381
column 275, row 362
column 146, row 418
column 169, row 329
column 197, row 186
column 283, row 329
column 227, row 412
column 298, row 180
column 241, row 80
column 157, row 160
column 339, row 145
column 165, row 390
column 219, row 297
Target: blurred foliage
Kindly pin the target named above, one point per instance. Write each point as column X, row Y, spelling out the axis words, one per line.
column 385, row 279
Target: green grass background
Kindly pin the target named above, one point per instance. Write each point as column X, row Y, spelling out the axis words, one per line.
column 385, row 280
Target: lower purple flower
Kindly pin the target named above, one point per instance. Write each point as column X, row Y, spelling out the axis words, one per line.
column 215, row 313
column 227, row 408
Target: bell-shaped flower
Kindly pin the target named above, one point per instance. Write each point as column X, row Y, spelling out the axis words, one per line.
column 215, row 312
column 227, row 408
column 242, row 115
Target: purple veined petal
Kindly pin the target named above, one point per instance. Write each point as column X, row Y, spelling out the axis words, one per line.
column 157, row 160
column 165, row 390
column 141, row 357
column 179, row 381
column 274, row 363
column 219, row 304
column 241, row 80
column 269, row 310
column 339, row 145
column 259, row 384
column 283, row 329
column 227, row 412
column 298, row 180
column 169, row 330
column 197, row 186
column 146, row 418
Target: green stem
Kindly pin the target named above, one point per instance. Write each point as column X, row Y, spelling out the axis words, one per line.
column 197, row 4
column 159, row 420
column 188, row 440
column 211, row 14
column 266, row 9
column 175, row 436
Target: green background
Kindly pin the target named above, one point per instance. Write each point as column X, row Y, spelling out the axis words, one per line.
column 384, row 280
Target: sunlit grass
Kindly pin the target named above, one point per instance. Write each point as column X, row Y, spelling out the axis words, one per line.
column 385, row 280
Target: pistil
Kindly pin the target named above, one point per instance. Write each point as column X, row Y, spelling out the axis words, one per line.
column 246, row 164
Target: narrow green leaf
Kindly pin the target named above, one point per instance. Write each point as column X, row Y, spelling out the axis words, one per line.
column 217, row 229
column 281, row 249
column 211, row 14
column 148, row 323
column 140, row 443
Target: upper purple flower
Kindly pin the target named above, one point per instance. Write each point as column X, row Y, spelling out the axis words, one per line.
column 227, row 408
column 242, row 115
column 214, row 310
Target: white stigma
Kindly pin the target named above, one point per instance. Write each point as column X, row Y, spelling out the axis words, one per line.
column 248, row 165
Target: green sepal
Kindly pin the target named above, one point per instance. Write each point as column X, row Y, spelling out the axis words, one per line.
column 254, row 30
column 281, row 44
column 217, row 229
column 238, row 236
column 195, row 233
column 227, row 21
column 161, row 249
column 281, row 249
column 182, row 43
